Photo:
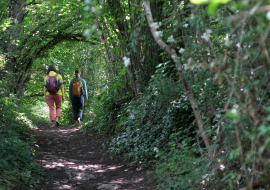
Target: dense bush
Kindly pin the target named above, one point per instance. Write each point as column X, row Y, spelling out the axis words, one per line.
column 17, row 149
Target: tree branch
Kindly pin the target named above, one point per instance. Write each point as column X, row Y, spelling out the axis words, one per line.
column 182, row 75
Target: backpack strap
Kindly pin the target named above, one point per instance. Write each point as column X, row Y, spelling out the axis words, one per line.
column 54, row 75
column 74, row 80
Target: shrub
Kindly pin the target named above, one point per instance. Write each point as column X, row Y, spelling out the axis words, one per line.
column 17, row 165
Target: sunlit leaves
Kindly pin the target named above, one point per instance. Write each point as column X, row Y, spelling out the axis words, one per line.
column 212, row 4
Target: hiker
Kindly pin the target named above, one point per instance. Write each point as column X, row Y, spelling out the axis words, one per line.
column 78, row 95
column 54, row 93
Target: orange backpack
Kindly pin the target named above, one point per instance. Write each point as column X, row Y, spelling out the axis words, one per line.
column 77, row 88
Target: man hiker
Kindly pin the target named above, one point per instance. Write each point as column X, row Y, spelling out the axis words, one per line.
column 78, row 95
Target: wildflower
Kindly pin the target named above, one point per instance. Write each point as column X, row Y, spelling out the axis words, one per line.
column 208, row 31
column 132, row 116
column 156, row 149
column 186, row 67
column 126, row 61
column 185, row 25
column 181, row 50
column 158, row 33
column 206, row 35
column 268, row 15
column 222, row 167
column 170, row 39
column 228, row 41
column 156, row 25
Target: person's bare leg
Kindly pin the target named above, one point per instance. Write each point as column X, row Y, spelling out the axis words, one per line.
column 57, row 121
column 53, row 125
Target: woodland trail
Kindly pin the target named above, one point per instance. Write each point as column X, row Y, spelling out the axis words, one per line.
column 76, row 161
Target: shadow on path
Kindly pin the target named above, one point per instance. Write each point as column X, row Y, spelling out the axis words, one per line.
column 76, row 161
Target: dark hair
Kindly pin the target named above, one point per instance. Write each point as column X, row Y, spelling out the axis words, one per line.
column 77, row 71
column 51, row 68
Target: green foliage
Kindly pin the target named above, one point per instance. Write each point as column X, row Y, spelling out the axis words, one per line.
column 143, row 105
column 148, row 122
column 17, row 150
column 182, row 170
column 106, row 107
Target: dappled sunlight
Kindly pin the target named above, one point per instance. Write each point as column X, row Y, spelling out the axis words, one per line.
column 64, row 131
column 124, row 181
column 71, row 160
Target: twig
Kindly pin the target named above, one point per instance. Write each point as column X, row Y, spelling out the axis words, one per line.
column 172, row 53
column 235, row 71
column 197, row 138
column 242, row 156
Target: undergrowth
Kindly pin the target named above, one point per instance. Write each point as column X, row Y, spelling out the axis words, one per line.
column 17, row 147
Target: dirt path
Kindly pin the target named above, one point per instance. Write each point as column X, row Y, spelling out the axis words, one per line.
column 75, row 161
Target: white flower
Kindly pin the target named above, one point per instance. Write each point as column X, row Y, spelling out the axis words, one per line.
column 186, row 67
column 126, row 61
column 181, row 50
column 156, row 25
column 206, row 35
column 238, row 45
column 228, row 41
column 268, row 15
column 208, row 31
column 222, row 167
column 158, row 33
column 170, row 39
column 156, row 149
column 185, row 25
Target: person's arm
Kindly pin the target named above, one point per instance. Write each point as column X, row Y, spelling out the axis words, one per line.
column 70, row 89
column 44, row 88
column 62, row 88
column 85, row 89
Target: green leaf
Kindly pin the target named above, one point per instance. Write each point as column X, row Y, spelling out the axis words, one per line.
column 212, row 8
column 53, row 2
column 159, row 65
column 199, row 2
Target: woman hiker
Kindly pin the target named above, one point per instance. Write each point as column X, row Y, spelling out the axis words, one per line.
column 54, row 93
column 78, row 95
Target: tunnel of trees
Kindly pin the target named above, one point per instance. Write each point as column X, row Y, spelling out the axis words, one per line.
column 180, row 85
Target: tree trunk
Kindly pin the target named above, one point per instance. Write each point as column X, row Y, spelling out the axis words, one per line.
column 17, row 16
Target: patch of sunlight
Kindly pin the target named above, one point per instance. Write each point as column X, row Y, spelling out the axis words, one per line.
column 123, row 181
column 64, row 131
column 65, row 187
column 108, row 168
column 23, row 118
column 56, row 164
